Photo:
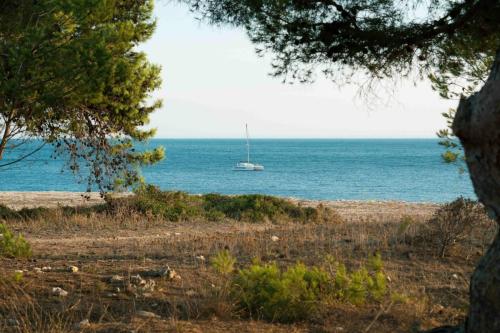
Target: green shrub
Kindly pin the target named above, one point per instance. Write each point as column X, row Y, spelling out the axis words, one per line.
column 6, row 213
column 375, row 262
column 223, row 262
column 257, row 208
column 176, row 206
column 46, row 213
column 214, row 215
column 17, row 277
column 24, row 214
column 13, row 246
column 264, row 291
column 172, row 206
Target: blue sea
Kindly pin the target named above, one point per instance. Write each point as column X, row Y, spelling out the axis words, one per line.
column 330, row 169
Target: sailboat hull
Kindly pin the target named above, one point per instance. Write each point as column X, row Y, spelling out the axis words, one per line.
column 245, row 166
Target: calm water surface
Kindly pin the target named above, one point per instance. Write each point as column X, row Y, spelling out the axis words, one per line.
column 392, row 169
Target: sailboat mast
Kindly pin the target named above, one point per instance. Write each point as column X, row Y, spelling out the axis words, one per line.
column 248, row 144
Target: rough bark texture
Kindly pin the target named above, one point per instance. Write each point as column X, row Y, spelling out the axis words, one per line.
column 477, row 124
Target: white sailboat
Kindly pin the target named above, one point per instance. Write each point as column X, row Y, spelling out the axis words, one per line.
column 247, row 165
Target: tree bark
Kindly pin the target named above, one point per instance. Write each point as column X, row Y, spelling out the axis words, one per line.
column 5, row 138
column 477, row 125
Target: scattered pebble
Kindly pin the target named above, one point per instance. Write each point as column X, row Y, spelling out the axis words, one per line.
column 147, row 314
column 56, row 291
column 200, row 258
column 18, row 271
column 83, row 324
column 172, row 275
column 137, row 280
column 455, row 276
column 177, row 233
column 38, row 270
column 438, row 308
column 166, row 272
column 46, row 269
column 116, row 279
column 72, row 269
column 275, row 238
column 149, row 286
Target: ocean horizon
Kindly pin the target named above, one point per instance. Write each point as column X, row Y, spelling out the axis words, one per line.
column 317, row 169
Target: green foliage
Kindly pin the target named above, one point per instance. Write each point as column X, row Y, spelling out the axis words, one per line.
column 379, row 37
column 17, row 277
column 264, row 291
column 175, row 206
column 46, row 213
column 172, row 206
column 256, row 207
column 6, row 213
column 453, row 153
column 375, row 262
column 72, row 75
column 357, row 290
column 223, row 262
column 12, row 246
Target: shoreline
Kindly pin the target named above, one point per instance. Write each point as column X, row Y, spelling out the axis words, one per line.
column 349, row 209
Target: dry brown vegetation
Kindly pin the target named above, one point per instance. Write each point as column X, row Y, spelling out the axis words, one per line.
column 126, row 243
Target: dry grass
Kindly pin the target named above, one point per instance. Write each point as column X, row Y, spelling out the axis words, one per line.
column 127, row 244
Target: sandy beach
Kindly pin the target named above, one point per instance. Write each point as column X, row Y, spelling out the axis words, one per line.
column 349, row 209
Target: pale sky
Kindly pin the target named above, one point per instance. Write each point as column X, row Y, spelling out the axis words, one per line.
column 214, row 83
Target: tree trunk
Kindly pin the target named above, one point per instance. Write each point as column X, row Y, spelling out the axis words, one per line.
column 477, row 124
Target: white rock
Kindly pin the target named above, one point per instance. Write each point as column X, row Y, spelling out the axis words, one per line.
column 200, row 258
column 83, row 324
column 275, row 238
column 177, row 233
column 38, row 270
column 72, row 269
column 148, row 286
column 166, row 272
column 18, row 271
column 116, row 279
column 46, row 269
column 56, row 291
column 172, row 275
column 137, row 280
column 455, row 276
column 147, row 314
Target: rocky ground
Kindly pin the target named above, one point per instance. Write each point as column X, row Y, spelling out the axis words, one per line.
column 136, row 274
